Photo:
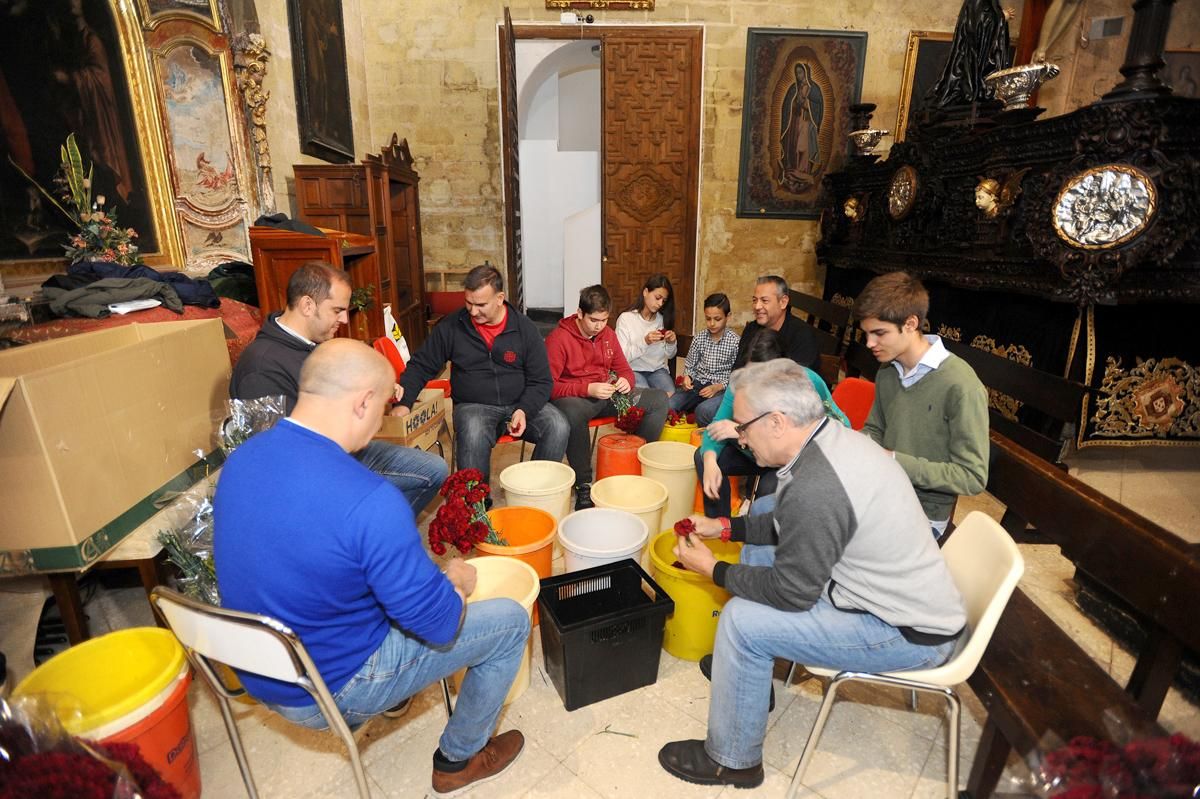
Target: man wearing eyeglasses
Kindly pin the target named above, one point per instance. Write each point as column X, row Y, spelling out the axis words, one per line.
column 841, row 574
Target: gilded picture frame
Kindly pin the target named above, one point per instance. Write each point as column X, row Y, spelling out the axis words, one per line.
column 603, row 5
column 799, row 87
column 318, row 33
column 923, row 59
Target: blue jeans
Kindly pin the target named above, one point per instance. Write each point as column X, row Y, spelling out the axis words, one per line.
column 490, row 645
column 707, row 411
column 751, row 635
column 659, row 378
column 477, row 426
column 578, row 411
column 417, row 473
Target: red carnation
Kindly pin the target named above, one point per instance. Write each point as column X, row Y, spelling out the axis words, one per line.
column 462, row 521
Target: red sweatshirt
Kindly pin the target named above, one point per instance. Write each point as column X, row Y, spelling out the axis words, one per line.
column 576, row 361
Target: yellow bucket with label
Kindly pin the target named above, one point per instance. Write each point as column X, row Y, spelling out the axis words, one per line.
column 692, row 628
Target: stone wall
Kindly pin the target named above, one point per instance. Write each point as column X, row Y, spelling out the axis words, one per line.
column 427, row 69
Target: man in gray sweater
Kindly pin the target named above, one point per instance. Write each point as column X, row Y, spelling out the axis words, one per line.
column 842, row 574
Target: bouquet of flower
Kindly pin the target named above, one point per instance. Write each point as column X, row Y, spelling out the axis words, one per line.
column 1090, row 769
column 629, row 413
column 679, row 417
column 462, row 520
column 100, row 238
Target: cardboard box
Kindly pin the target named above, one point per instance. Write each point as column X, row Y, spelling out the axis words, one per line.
column 95, row 428
column 422, row 426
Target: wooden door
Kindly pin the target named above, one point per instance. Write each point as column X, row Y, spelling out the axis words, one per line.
column 651, row 155
column 515, row 282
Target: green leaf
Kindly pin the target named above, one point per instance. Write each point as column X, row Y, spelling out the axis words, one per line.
column 73, row 166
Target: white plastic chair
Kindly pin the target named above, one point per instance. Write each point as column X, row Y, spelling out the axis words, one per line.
column 259, row 645
column 985, row 565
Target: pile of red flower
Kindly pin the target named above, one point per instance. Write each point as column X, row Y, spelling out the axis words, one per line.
column 1090, row 769
column 679, row 417
column 629, row 413
column 462, row 520
column 79, row 775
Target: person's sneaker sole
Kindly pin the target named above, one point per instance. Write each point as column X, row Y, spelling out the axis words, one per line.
column 399, row 710
column 706, row 670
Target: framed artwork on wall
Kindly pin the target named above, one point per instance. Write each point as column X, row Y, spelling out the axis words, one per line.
column 322, row 85
column 1182, row 72
column 795, row 117
column 923, row 60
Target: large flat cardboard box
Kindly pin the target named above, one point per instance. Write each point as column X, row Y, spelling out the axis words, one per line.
column 95, row 428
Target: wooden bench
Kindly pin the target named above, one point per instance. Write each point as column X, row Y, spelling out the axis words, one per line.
column 831, row 325
column 1038, row 686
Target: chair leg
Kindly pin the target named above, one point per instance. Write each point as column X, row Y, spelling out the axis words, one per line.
column 791, row 672
column 810, row 746
column 337, row 724
column 952, row 747
column 235, row 740
column 912, row 700
column 446, row 697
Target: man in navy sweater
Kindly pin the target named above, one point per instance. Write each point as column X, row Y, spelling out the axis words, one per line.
column 310, row 536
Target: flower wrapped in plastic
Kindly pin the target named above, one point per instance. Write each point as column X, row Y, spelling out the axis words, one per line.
column 189, row 543
column 629, row 413
column 1087, row 768
column 39, row 759
column 462, row 521
column 247, row 417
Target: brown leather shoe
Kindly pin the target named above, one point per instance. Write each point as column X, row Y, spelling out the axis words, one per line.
column 497, row 755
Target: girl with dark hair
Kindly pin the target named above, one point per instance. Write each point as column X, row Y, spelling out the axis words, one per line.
column 646, row 336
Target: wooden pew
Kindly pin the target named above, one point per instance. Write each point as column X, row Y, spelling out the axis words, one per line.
column 1037, row 685
column 830, row 324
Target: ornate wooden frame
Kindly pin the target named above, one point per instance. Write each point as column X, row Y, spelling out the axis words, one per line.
column 604, row 5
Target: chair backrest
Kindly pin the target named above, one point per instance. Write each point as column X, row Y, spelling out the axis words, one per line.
column 986, row 565
column 246, row 641
column 388, row 350
column 855, row 397
column 444, row 302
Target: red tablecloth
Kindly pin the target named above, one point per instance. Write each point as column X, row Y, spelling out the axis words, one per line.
column 242, row 322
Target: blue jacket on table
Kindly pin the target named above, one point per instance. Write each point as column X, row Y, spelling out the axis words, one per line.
column 514, row 372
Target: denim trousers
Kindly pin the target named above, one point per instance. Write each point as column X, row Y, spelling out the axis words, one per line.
column 659, row 378
column 417, row 473
column 477, row 426
column 489, row 645
column 578, row 411
column 733, row 463
column 751, row 635
column 686, row 400
column 706, row 411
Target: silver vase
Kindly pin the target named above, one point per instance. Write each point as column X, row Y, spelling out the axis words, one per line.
column 1015, row 85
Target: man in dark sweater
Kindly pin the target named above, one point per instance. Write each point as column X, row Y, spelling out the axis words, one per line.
column 842, row 574
column 770, row 302
column 318, row 296
column 499, row 376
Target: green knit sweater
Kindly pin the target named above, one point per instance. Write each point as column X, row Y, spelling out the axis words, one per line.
column 938, row 428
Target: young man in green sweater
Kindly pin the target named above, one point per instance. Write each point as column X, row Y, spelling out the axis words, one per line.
column 930, row 410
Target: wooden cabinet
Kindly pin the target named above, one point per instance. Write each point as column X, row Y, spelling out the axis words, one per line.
column 278, row 253
column 377, row 198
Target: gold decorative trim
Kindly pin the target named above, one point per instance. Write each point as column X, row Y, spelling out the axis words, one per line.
column 952, row 333
column 155, row 18
column 1004, row 404
column 250, row 56
column 910, row 68
column 1148, row 401
column 609, row 5
column 842, row 300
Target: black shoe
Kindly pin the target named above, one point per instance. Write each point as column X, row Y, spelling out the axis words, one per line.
column 399, row 709
column 706, row 670
column 583, row 496
column 688, row 761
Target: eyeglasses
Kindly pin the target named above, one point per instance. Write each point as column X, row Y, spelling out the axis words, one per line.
column 740, row 429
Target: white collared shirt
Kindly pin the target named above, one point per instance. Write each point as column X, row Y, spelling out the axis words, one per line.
column 293, row 333
column 932, row 359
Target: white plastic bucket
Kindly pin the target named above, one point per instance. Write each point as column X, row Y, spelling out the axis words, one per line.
column 513, row 579
column 539, row 484
column 672, row 464
column 597, row 536
column 642, row 496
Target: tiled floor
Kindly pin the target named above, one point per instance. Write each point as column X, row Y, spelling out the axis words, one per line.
column 872, row 747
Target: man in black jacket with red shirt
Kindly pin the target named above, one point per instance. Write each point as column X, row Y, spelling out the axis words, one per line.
column 499, row 375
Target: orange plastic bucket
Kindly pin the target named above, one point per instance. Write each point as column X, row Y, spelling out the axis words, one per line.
column 530, row 534
column 165, row 740
column 616, row 453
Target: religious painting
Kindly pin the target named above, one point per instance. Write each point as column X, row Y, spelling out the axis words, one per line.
column 923, row 61
column 73, row 81
column 800, row 85
column 1182, row 72
column 194, row 101
column 322, row 84
column 205, row 9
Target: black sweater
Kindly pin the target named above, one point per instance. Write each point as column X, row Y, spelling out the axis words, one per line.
column 270, row 365
column 795, row 338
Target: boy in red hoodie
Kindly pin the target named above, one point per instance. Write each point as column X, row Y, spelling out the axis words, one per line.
column 583, row 351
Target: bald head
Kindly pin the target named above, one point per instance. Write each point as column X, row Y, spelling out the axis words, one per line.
column 343, row 366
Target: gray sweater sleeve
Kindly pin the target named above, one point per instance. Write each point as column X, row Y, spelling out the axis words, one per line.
column 815, row 521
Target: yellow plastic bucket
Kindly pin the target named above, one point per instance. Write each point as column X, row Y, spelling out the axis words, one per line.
column 128, row 686
column 513, row 579
column 681, row 432
column 539, row 484
column 671, row 463
column 691, row 629
column 644, row 497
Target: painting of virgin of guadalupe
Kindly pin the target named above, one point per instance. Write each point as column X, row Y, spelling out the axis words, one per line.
column 799, row 88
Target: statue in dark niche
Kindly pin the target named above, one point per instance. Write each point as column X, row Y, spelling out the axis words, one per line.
column 980, row 47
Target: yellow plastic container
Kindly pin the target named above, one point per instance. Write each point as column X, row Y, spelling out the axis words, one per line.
column 514, row 579
column 644, row 497
column 671, row 463
column 681, row 432
column 691, row 629
column 539, row 484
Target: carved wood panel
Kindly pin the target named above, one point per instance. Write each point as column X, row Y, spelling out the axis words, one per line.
column 651, row 155
column 515, row 281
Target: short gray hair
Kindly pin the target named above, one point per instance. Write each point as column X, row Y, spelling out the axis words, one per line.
column 779, row 385
column 781, row 286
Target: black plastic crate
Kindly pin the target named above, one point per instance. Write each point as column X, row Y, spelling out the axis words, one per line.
column 602, row 631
